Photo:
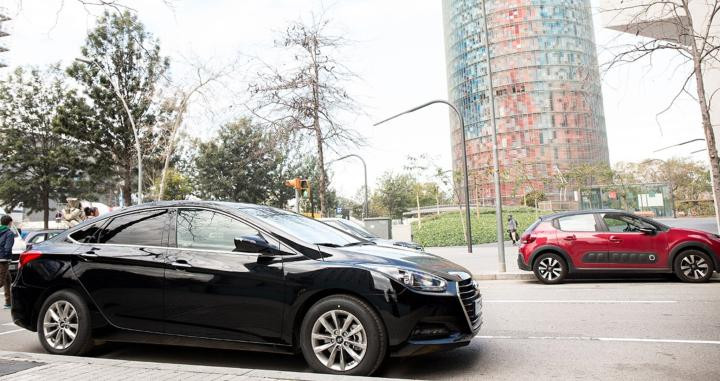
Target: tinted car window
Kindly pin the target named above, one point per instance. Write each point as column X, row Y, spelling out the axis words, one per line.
column 577, row 223
column 208, row 230
column 87, row 234
column 142, row 228
column 622, row 223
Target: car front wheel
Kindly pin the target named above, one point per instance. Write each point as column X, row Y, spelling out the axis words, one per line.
column 63, row 325
column 343, row 335
column 693, row 266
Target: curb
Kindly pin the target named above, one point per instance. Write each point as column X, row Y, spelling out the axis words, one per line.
column 127, row 368
column 504, row 276
column 531, row 276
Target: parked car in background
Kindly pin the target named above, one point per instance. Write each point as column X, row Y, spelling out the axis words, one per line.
column 359, row 231
column 242, row 276
column 37, row 236
column 614, row 241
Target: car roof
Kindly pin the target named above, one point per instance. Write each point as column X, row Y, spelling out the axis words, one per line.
column 577, row 212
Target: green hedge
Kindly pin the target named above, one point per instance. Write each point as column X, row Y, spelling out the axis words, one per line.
column 447, row 230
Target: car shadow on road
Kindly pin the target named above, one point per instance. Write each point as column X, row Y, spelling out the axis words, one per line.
column 200, row 356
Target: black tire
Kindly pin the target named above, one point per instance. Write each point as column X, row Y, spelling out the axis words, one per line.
column 550, row 268
column 375, row 335
column 82, row 342
column 693, row 266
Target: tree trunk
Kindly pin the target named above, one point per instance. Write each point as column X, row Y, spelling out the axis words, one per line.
column 46, row 208
column 318, row 132
column 321, row 167
column 127, row 187
column 705, row 111
column 437, row 203
column 417, row 202
column 171, row 144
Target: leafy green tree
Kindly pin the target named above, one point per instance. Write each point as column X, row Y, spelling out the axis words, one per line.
column 178, row 186
column 394, row 194
column 39, row 160
column 240, row 164
column 121, row 54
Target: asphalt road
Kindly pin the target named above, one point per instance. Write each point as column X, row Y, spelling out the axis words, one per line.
column 643, row 329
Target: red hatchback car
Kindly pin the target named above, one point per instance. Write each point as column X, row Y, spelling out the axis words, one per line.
column 614, row 241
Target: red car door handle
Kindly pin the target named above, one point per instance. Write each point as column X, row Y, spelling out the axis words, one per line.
column 615, row 239
column 569, row 238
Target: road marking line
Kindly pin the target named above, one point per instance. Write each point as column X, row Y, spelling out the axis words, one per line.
column 584, row 301
column 660, row 340
column 587, row 338
column 13, row 331
column 11, row 323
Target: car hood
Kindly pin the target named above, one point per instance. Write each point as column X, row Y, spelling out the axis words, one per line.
column 396, row 256
column 394, row 243
column 690, row 231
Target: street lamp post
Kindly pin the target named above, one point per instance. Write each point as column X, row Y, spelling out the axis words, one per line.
column 468, row 231
column 496, row 164
column 130, row 118
column 365, row 204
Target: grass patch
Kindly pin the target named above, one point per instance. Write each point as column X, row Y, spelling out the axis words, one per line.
column 446, row 229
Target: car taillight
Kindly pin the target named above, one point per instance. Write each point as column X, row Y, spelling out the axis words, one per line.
column 28, row 256
column 527, row 238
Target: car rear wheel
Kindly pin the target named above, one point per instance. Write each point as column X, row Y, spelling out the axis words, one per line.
column 343, row 335
column 693, row 266
column 63, row 325
column 550, row 268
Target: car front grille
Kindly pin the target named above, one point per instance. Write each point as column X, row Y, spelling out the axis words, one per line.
column 468, row 295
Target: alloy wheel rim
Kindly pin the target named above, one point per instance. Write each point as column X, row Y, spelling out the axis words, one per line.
column 550, row 268
column 60, row 325
column 339, row 340
column 694, row 266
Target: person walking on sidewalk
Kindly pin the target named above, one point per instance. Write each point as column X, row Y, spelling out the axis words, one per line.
column 512, row 229
column 7, row 239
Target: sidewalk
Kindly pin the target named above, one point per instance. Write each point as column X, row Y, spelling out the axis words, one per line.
column 21, row 366
column 483, row 262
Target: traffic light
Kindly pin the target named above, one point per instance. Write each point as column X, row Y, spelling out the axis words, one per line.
column 294, row 183
column 298, row 183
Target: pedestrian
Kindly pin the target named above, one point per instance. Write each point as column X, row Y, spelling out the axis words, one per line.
column 7, row 240
column 512, row 229
column 73, row 213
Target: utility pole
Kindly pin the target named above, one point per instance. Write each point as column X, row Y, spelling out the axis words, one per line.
column 496, row 165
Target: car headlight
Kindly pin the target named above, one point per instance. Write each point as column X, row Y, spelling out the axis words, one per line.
column 415, row 279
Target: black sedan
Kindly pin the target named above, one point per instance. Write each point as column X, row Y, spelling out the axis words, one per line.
column 241, row 276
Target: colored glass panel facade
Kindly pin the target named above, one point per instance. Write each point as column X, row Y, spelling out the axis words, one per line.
column 548, row 101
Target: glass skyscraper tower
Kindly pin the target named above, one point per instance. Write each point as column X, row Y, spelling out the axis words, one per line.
column 546, row 83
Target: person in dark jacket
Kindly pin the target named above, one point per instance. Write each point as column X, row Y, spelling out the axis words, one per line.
column 7, row 240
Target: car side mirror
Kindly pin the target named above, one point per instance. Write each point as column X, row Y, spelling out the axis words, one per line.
column 648, row 231
column 252, row 244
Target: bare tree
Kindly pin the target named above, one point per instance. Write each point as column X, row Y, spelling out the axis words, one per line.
column 305, row 100
column 690, row 29
column 201, row 82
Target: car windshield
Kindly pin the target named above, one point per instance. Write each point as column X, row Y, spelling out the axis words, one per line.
column 305, row 228
column 352, row 228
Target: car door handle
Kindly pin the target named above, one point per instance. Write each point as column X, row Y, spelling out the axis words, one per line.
column 181, row 263
column 569, row 238
column 615, row 239
column 90, row 253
